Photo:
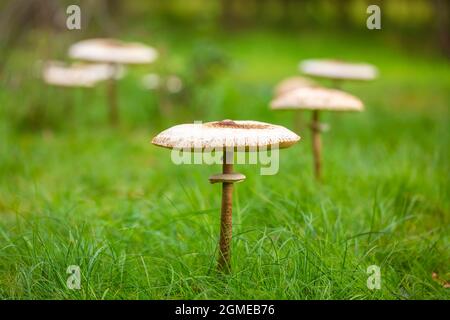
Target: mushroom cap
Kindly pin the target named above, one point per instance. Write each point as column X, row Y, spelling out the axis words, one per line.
column 241, row 135
column 112, row 51
column 317, row 98
column 293, row 83
column 76, row 75
column 336, row 69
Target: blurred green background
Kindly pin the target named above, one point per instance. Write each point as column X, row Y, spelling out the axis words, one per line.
column 76, row 191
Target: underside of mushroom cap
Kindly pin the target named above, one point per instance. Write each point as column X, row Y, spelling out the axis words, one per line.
column 336, row 69
column 112, row 51
column 317, row 98
column 238, row 135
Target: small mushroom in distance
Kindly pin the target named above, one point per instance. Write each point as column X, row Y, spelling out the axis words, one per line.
column 76, row 75
column 317, row 99
column 115, row 53
column 226, row 136
column 338, row 70
column 291, row 83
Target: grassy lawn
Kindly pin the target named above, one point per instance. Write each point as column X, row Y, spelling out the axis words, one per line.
column 74, row 191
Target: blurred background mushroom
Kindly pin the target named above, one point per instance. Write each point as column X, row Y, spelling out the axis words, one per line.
column 77, row 74
column 290, row 84
column 338, row 70
column 115, row 53
column 227, row 137
column 317, row 99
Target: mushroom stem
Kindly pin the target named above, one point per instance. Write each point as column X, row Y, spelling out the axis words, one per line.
column 317, row 145
column 68, row 101
column 112, row 99
column 226, row 215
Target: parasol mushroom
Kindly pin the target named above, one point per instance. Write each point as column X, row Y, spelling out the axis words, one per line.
column 226, row 136
column 76, row 75
column 317, row 99
column 290, row 84
column 113, row 52
column 338, row 70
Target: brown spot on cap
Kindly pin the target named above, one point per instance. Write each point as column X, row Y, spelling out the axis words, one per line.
column 233, row 125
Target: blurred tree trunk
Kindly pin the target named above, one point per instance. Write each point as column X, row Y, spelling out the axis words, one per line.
column 114, row 7
column 342, row 8
column 227, row 16
column 301, row 15
column 107, row 13
column 442, row 10
column 20, row 16
column 259, row 9
column 286, row 4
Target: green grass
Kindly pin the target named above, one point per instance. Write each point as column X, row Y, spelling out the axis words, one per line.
column 74, row 191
